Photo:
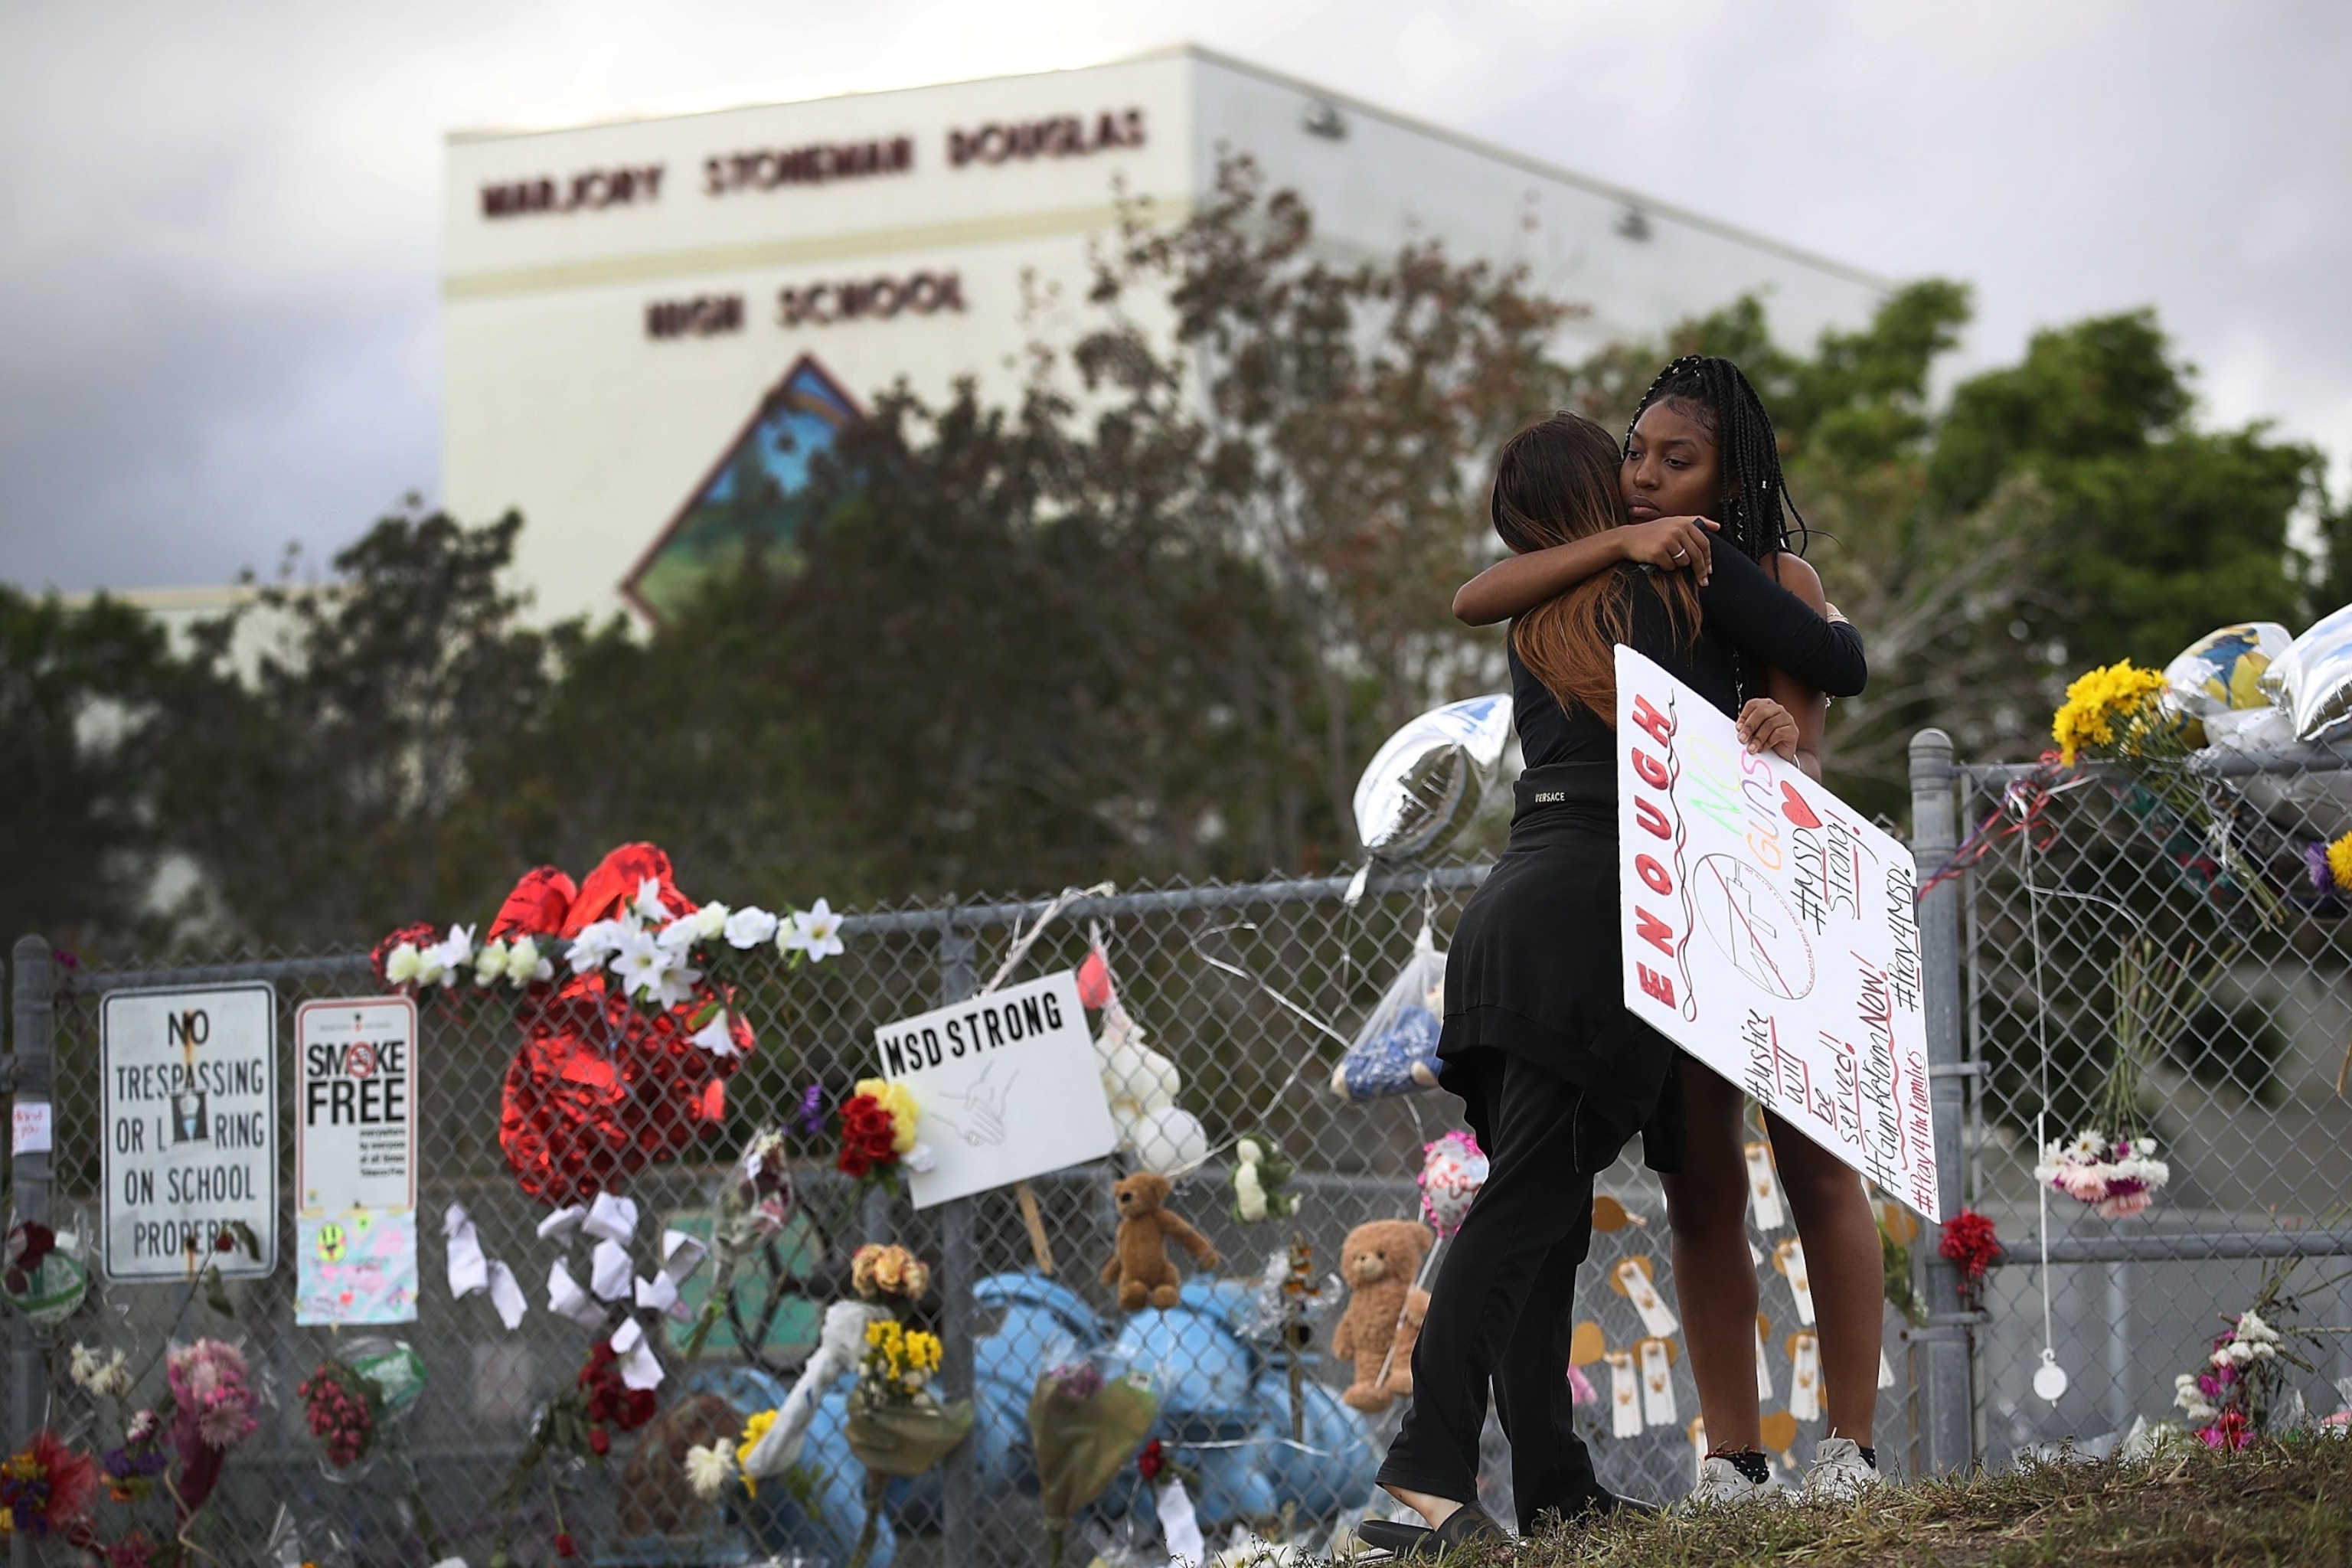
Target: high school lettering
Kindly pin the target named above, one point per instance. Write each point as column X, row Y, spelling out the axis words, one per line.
column 1771, row 933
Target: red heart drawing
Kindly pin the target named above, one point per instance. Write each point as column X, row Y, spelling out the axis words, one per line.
column 1793, row 806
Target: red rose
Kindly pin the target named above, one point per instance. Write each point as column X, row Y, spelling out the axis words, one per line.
column 878, row 1145
column 565, row 1546
column 853, row 1162
column 1151, row 1459
column 640, row 1409
column 600, row 1442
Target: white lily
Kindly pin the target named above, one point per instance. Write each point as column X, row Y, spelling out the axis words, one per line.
column 815, row 932
column 639, row 961
column 719, row 1040
column 680, row 934
column 455, row 952
column 749, row 927
column 647, row 905
column 673, row 981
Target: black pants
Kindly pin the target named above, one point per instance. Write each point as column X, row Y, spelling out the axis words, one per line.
column 1502, row 1310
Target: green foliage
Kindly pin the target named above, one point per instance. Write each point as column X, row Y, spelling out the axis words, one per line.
column 78, row 688
column 1149, row 620
column 333, row 785
column 2059, row 514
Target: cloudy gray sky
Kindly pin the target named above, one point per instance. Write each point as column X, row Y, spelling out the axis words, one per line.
column 218, row 221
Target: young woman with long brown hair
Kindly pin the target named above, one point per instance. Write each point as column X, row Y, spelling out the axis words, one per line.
column 1702, row 447
column 1555, row 1075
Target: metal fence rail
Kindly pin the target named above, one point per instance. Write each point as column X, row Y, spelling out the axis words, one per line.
column 1197, row 966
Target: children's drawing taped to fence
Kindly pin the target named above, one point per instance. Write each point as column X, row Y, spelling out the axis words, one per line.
column 1771, row 933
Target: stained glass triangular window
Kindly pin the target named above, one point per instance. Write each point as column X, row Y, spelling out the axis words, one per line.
column 752, row 498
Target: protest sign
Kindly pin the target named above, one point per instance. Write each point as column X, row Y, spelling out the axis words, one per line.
column 188, row 1107
column 1005, row 1087
column 1771, row 933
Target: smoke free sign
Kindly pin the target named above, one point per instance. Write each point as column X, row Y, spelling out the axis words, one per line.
column 188, row 1100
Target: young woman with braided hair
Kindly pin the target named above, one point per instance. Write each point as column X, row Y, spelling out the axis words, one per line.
column 1701, row 452
column 1555, row 1074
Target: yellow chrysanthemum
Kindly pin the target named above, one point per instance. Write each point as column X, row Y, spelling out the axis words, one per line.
column 899, row 1101
column 753, row 1430
column 2339, row 861
column 2097, row 702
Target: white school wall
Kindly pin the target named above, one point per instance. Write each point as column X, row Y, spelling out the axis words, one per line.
column 557, row 402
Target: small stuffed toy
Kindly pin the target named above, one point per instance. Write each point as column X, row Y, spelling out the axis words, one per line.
column 1379, row 1261
column 1140, row 1265
column 1259, row 1172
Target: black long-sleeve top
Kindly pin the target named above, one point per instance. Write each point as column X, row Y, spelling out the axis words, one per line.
column 1744, row 612
column 1534, row 967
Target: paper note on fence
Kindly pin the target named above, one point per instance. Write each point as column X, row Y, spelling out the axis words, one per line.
column 1771, row 933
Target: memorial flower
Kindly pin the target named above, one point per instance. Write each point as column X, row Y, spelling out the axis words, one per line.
column 815, row 932
column 709, row 1468
column 525, row 966
column 748, row 928
column 106, row 1376
column 45, row 1487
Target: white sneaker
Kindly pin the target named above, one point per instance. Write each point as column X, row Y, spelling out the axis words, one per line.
column 1839, row 1472
column 1720, row 1485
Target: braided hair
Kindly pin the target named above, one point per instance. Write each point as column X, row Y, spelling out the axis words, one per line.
column 1712, row 390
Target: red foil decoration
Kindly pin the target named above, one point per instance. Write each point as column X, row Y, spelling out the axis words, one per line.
column 601, row 1088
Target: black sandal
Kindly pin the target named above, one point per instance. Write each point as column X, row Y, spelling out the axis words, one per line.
column 1394, row 1536
column 1465, row 1526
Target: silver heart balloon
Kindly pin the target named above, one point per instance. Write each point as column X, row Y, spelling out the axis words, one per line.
column 1427, row 779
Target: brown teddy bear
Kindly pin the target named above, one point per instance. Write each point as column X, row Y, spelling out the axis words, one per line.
column 1379, row 1261
column 1141, row 1263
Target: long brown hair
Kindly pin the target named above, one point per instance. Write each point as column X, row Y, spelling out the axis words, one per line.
column 1555, row 481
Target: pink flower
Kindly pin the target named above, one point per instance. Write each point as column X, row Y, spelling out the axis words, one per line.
column 2123, row 1205
column 1581, row 1389
column 2085, row 1183
column 210, row 1381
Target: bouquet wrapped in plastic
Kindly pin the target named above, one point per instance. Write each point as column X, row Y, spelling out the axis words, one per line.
column 1085, row 1423
column 896, row 1426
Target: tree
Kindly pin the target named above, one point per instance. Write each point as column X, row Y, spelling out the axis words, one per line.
column 1336, row 424
column 2166, row 531
column 78, row 689
column 323, row 798
column 2059, row 514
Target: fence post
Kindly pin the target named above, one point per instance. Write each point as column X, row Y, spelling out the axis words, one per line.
column 1946, row 1394
column 26, row 1072
column 960, row 1523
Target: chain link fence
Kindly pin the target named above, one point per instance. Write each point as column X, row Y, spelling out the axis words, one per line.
column 2178, row 911
column 1243, row 987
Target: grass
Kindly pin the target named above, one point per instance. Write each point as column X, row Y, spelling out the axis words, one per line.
column 2287, row 1502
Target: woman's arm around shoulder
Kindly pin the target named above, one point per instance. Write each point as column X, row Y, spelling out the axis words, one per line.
column 1517, row 583
column 1784, row 625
